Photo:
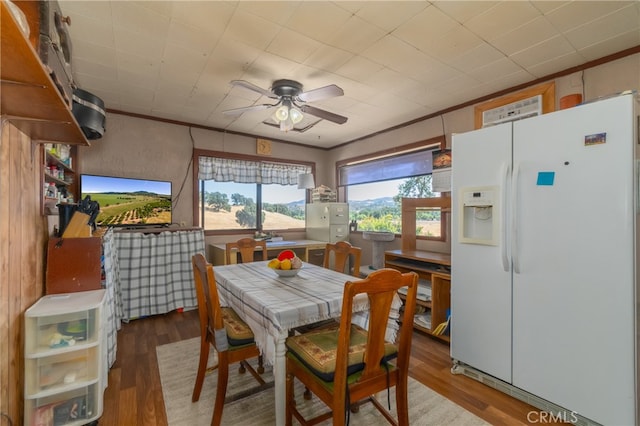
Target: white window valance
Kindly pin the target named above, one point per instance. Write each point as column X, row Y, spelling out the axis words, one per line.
column 243, row 171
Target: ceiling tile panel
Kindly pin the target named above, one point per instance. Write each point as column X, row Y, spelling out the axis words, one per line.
column 546, row 6
column 190, row 37
column 138, row 65
column 615, row 44
column 458, row 84
column 428, row 25
column 94, row 10
column 101, row 30
column 293, row 46
column 394, row 53
column 357, row 35
column 169, row 92
column 545, row 68
column 136, row 79
column 133, row 43
column 251, row 29
column 359, row 67
column 328, row 58
column 389, row 15
column 269, row 67
column 463, row 11
column 577, row 13
column 495, row 70
column 533, row 32
column 81, row 66
column 210, row 17
column 278, row 12
column 605, row 27
column 138, row 18
column 94, row 53
column 482, row 55
column 175, row 59
column 234, row 51
column 502, row 18
column 318, row 20
column 453, row 44
column 387, row 79
column 543, row 52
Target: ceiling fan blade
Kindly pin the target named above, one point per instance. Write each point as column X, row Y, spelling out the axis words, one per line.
column 339, row 119
column 326, row 92
column 251, row 86
column 238, row 111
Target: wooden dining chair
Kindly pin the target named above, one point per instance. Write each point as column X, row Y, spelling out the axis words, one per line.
column 347, row 364
column 231, row 338
column 246, row 247
column 336, row 257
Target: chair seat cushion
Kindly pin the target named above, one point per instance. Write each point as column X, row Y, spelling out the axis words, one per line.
column 317, row 350
column 238, row 332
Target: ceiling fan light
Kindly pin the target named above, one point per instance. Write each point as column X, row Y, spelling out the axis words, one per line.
column 282, row 113
column 286, row 125
column 296, row 115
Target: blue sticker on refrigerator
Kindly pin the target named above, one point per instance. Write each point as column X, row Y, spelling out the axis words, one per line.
column 545, row 178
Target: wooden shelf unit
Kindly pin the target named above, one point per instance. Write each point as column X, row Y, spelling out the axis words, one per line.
column 30, row 99
column 433, row 267
column 430, row 266
column 71, row 176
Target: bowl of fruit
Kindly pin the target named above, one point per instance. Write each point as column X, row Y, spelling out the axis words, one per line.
column 287, row 264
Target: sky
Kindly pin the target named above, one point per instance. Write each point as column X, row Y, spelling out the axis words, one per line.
column 93, row 184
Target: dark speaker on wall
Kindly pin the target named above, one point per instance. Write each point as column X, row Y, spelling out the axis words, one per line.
column 88, row 109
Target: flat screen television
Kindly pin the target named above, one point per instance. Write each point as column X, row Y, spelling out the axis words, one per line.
column 128, row 202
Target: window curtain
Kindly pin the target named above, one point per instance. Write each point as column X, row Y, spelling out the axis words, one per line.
column 242, row 171
column 416, row 163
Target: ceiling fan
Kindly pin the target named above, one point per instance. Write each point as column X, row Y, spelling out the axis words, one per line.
column 291, row 102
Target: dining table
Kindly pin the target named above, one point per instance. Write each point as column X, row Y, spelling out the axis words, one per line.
column 273, row 306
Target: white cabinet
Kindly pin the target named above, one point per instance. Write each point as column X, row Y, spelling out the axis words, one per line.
column 65, row 359
column 327, row 222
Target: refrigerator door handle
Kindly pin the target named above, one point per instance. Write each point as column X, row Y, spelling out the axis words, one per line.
column 506, row 169
column 515, row 255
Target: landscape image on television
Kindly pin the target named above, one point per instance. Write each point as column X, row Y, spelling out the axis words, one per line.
column 128, row 202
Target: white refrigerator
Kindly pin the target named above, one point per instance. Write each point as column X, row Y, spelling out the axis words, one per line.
column 544, row 293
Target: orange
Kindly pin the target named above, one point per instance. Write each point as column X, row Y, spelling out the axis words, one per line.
column 285, row 264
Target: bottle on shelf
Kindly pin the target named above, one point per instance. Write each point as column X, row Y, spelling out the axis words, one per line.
column 52, row 191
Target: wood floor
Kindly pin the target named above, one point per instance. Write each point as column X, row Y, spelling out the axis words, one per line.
column 134, row 394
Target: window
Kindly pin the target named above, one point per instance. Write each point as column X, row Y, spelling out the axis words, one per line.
column 375, row 186
column 231, row 192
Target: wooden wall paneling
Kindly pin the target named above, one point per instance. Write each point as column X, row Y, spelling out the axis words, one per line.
column 15, row 251
column 4, row 272
column 22, row 236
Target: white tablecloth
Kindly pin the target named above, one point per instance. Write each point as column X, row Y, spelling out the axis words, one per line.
column 272, row 305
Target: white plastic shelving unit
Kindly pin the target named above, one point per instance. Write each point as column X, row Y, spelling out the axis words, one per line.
column 65, row 359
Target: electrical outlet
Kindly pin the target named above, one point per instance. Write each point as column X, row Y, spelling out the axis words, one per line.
column 183, row 223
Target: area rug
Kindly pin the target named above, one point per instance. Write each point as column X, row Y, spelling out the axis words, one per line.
column 178, row 363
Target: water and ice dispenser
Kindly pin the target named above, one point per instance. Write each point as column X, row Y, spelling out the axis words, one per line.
column 479, row 207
